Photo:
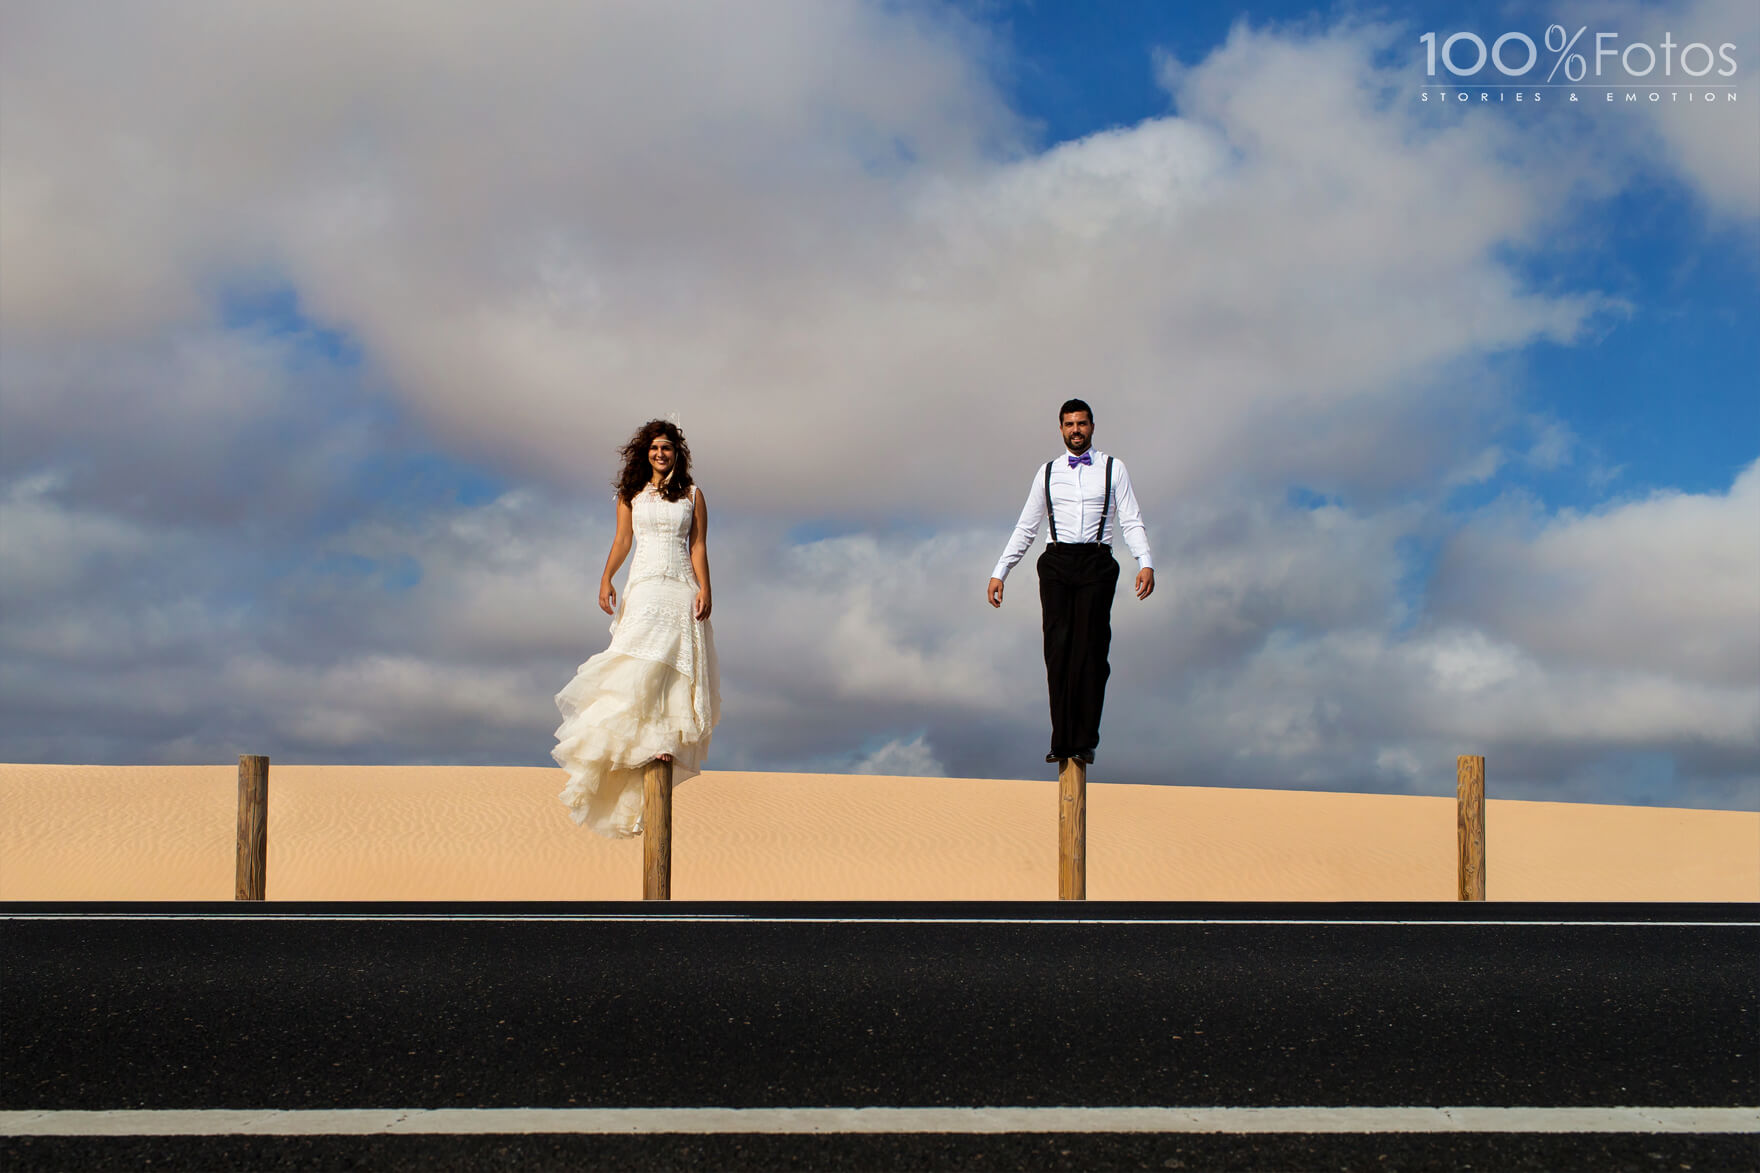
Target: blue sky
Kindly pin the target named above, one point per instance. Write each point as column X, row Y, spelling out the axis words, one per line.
column 1444, row 417
column 1667, row 396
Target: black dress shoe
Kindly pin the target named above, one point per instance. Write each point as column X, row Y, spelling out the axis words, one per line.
column 1051, row 757
column 1086, row 757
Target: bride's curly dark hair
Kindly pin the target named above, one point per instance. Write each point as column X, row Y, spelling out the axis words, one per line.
column 637, row 472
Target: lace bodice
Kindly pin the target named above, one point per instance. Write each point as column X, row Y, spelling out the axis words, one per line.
column 662, row 536
column 654, row 619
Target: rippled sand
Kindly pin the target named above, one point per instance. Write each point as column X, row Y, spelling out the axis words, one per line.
column 498, row 833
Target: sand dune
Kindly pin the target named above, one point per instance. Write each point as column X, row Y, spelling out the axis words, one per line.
column 474, row 833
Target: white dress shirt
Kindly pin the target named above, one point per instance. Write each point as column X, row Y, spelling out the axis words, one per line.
column 1076, row 497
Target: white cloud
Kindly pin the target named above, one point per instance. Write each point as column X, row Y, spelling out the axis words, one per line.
column 805, row 226
column 1714, row 146
column 362, row 701
column 900, row 758
column 1668, row 584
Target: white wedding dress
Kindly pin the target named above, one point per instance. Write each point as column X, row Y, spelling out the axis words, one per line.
column 653, row 691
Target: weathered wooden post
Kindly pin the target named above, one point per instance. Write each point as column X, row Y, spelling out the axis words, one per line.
column 1469, row 786
column 657, row 831
column 253, row 827
column 1072, row 830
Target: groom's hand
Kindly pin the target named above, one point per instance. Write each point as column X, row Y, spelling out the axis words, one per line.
column 1145, row 583
column 996, row 592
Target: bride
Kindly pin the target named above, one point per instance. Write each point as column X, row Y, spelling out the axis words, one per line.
column 653, row 694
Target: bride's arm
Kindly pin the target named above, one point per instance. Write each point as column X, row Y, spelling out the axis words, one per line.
column 620, row 544
column 700, row 555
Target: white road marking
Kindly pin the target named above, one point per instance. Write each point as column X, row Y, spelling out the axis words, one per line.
column 457, row 1121
column 741, row 918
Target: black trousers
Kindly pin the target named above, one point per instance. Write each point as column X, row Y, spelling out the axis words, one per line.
column 1076, row 585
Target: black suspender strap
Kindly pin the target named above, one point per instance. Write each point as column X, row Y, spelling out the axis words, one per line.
column 1050, row 513
column 1105, row 500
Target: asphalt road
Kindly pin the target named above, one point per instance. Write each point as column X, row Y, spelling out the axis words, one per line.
column 882, row 1005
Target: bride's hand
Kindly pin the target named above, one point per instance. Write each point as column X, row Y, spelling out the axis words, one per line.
column 607, row 598
column 701, row 610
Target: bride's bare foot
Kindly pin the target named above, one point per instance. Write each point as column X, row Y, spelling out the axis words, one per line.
column 663, row 757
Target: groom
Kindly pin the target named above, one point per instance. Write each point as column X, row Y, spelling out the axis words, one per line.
column 1086, row 496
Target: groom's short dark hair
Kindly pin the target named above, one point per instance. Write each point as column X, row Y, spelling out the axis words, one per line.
column 1070, row 405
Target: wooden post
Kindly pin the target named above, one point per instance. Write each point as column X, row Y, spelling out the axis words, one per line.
column 1072, row 830
column 253, row 827
column 657, row 831
column 1469, row 785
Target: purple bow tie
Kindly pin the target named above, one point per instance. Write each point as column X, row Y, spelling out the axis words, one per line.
column 1084, row 458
